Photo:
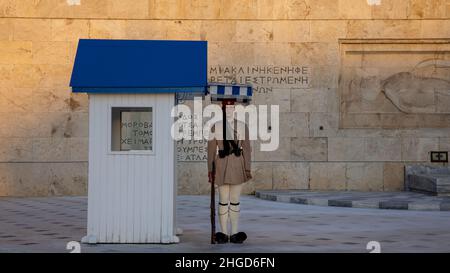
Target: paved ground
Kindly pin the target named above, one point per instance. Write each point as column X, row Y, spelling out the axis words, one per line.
column 375, row 200
column 47, row 224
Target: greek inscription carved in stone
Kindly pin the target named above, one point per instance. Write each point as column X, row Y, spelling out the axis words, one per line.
column 263, row 77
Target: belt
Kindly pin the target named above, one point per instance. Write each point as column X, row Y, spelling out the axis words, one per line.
column 236, row 152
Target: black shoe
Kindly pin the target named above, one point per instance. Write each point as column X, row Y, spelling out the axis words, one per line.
column 221, row 238
column 238, row 238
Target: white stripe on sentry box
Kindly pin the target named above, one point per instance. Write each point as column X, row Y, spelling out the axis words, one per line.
column 228, row 90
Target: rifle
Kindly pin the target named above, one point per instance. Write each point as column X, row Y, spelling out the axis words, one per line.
column 213, row 207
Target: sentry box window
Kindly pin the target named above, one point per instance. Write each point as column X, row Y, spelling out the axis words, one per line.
column 132, row 129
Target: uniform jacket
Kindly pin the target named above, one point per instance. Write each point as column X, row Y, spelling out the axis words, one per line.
column 231, row 169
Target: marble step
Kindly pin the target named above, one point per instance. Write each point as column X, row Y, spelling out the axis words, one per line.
column 436, row 184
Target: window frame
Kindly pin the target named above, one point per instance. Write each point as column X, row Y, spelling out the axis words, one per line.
column 131, row 152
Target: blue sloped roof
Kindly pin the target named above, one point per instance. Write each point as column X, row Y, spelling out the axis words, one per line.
column 139, row 66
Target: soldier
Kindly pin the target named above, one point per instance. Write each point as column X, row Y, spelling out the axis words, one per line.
column 229, row 152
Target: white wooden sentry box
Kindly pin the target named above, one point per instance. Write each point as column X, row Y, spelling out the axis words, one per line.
column 131, row 86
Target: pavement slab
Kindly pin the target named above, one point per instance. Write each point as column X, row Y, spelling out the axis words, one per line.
column 48, row 224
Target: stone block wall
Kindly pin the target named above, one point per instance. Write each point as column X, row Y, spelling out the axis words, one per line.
column 348, row 119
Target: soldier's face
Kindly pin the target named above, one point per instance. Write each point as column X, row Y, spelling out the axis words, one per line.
column 229, row 112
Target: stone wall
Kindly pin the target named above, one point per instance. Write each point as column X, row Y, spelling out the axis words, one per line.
column 369, row 90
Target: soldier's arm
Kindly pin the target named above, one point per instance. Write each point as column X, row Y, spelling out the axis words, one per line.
column 247, row 150
column 212, row 150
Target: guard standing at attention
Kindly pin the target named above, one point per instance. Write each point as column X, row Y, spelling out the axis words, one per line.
column 229, row 167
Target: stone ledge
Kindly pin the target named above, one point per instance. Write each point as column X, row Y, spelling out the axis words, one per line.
column 430, row 179
column 353, row 199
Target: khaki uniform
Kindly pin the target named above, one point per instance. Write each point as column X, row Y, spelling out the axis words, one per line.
column 231, row 169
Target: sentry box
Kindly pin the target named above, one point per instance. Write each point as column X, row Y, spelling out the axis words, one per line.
column 131, row 86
